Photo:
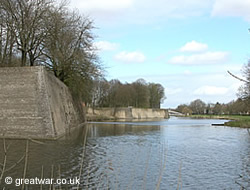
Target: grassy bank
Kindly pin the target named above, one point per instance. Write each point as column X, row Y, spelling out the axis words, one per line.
column 236, row 120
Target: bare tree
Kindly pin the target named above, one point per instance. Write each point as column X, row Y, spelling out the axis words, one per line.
column 6, row 40
column 244, row 91
column 197, row 106
column 24, row 20
column 69, row 51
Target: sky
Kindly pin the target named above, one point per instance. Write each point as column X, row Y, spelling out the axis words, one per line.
column 186, row 45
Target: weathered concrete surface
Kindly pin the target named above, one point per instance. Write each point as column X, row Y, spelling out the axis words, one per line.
column 34, row 104
column 126, row 113
column 175, row 113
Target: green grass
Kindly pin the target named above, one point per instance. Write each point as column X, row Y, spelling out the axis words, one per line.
column 240, row 123
column 236, row 120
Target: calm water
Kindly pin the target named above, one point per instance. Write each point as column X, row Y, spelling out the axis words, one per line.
column 138, row 155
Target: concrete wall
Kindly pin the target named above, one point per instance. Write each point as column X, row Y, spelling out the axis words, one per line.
column 34, row 104
column 125, row 113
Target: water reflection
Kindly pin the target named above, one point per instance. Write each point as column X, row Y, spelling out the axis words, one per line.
column 101, row 129
column 130, row 155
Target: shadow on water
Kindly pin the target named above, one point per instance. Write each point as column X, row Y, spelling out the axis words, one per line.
column 132, row 155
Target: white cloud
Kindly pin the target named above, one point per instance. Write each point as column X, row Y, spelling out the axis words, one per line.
column 171, row 9
column 103, row 11
column 235, row 86
column 237, row 8
column 187, row 72
column 130, row 57
column 172, row 91
column 194, row 46
column 211, row 90
column 202, row 58
column 140, row 11
column 102, row 5
column 106, row 46
column 144, row 11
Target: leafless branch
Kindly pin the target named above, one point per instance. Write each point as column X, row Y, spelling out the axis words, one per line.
column 179, row 185
column 5, row 160
column 26, row 162
column 162, row 168
column 83, row 153
column 41, row 186
column 240, row 79
column 146, row 169
column 14, row 165
column 36, row 141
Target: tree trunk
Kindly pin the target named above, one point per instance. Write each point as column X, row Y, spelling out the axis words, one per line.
column 32, row 59
column 24, row 58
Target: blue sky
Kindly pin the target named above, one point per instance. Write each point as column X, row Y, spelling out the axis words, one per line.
column 185, row 45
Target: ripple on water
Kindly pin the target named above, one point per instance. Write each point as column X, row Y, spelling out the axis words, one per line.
column 132, row 155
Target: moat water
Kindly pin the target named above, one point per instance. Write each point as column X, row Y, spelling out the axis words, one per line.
column 167, row 154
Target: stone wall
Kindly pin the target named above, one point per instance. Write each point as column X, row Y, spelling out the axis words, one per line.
column 126, row 113
column 34, row 104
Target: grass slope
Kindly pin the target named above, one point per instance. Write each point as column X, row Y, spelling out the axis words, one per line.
column 236, row 120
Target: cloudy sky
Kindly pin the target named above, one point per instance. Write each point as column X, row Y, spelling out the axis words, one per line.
column 186, row 45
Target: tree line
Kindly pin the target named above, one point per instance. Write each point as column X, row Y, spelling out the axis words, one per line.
column 237, row 107
column 139, row 94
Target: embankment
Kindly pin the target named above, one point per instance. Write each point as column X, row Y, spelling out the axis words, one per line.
column 35, row 104
column 125, row 113
column 242, row 121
